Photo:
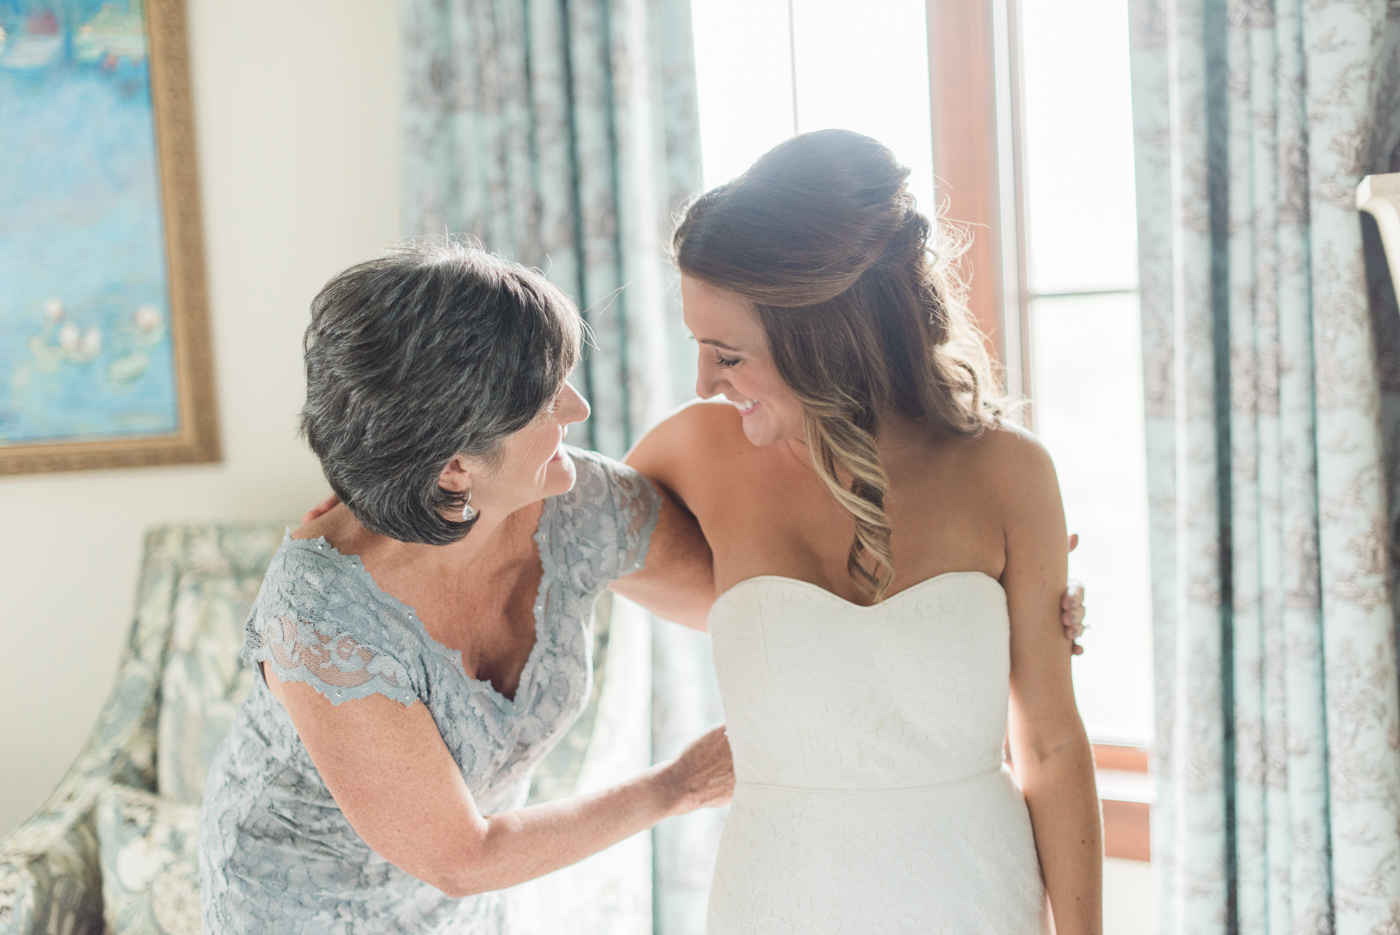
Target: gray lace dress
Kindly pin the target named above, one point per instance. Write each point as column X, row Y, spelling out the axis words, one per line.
column 275, row 852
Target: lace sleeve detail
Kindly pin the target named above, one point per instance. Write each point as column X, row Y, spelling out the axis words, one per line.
column 606, row 522
column 337, row 665
column 315, row 623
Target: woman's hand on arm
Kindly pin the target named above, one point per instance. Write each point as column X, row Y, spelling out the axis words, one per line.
column 1072, row 608
column 1050, row 752
column 397, row 784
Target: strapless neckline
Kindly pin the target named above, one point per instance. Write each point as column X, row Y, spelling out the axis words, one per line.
column 808, row 585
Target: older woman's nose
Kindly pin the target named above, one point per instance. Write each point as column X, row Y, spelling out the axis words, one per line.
column 572, row 407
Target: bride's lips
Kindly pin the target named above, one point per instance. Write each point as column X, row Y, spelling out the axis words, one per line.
column 745, row 406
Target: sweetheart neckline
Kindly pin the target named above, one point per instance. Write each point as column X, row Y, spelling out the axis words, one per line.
column 834, row 596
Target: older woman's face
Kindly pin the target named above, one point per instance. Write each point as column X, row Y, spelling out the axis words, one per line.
column 533, row 464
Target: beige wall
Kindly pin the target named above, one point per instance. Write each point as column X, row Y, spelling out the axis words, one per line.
column 297, row 112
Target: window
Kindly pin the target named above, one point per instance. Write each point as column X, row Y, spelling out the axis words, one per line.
column 768, row 69
column 1078, row 285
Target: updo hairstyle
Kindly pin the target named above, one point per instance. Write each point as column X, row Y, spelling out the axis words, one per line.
column 429, row 351
column 861, row 305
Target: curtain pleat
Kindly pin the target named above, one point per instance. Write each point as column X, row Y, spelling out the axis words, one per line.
column 1278, row 713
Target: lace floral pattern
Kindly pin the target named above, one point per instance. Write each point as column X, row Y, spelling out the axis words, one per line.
column 276, row 854
column 867, row 746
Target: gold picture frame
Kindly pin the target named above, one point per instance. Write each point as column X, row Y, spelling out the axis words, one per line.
column 195, row 437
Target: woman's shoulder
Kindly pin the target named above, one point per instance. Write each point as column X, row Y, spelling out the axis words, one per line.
column 1013, row 461
column 601, row 528
column 605, row 489
column 314, row 581
column 703, row 420
column 597, row 477
column 691, row 440
column 320, row 618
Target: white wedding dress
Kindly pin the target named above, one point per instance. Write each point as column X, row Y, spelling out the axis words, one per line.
column 871, row 795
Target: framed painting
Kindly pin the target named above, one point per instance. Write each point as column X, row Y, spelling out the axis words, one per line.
column 104, row 338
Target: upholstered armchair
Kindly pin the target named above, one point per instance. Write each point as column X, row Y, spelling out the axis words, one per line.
column 113, row 849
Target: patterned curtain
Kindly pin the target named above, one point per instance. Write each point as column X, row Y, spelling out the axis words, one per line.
column 1279, row 777
column 564, row 134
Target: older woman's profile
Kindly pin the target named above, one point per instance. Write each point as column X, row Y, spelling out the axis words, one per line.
column 426, row 642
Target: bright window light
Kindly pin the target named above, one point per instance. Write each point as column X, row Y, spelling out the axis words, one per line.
column 861, row 67
column 1086, row 359
column 1081, row 207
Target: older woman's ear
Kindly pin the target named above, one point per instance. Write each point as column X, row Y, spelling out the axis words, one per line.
column 456, row 475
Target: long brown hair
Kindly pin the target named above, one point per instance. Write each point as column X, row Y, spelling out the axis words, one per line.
column 859, row 298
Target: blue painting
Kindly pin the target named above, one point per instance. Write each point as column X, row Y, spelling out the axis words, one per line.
column 85, row 343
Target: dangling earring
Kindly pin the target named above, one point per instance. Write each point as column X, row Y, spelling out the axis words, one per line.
column 468, row 514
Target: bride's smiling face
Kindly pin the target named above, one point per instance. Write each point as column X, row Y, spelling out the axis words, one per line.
column 735, row 362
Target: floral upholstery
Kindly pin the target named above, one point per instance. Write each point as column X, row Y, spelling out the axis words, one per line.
column 144, row 764
column 148, row 847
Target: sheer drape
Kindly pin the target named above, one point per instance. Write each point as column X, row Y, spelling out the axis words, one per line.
column 1279, row 786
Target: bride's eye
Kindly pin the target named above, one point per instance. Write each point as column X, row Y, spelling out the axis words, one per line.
column 723, row 361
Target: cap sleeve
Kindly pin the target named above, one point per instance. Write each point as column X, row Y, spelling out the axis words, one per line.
column 316, row 621
column 604, row 525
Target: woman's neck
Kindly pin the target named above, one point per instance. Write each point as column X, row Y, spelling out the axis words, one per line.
column 491, row 537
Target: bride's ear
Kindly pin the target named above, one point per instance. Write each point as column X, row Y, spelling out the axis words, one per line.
column 456, row 475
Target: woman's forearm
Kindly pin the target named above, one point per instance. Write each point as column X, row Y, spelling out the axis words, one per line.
column 526, row 843
column 512, row 847
column 1064, row 807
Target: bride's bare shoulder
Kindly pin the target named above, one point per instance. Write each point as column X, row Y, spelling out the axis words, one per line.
column 1015, row 463
column 696, row 434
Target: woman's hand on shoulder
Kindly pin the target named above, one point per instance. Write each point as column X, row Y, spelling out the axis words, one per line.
column 320, row 509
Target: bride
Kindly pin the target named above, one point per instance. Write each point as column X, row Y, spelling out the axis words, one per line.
column 889, row 557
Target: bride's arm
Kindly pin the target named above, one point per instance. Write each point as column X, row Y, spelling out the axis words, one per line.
column 1049, row 749
column 678, row 582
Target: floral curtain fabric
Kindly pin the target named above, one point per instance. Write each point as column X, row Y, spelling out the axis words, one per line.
column 1279, row 777
column 564, row 134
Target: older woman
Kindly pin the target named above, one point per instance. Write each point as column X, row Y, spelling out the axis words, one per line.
column 424, row 644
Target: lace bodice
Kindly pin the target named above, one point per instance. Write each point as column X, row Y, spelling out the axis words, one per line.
column 871, row 796
column 276, row 854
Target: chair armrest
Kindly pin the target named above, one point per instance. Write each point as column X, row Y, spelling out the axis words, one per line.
column 50, row 878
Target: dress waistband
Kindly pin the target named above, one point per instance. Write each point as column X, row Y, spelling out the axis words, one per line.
column 903, row 789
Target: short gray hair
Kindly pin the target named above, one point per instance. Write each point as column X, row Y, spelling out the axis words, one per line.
column 431, row 350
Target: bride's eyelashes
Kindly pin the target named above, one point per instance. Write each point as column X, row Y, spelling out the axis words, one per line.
column 722, row 361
